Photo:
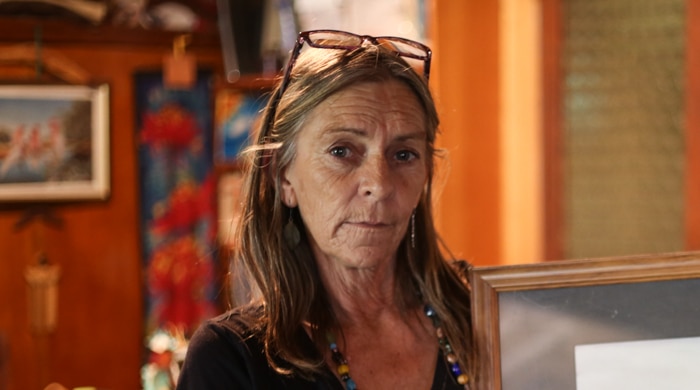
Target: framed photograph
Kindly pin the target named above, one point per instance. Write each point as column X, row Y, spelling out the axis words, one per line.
column 54, row 142
column 609, row 323
column 237, row 114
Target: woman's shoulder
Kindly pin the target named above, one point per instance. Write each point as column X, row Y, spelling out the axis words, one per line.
column 227, row 352
column 239, row 325
column 224, row 352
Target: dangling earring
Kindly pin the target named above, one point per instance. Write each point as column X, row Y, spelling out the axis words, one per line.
column 291, row 232
column 413, row 229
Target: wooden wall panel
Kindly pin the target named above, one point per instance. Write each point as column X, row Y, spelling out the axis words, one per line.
column 99, row 336
column 552, row 139
column 692, row 128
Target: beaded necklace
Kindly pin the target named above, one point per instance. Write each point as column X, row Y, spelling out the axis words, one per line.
column 343, row 369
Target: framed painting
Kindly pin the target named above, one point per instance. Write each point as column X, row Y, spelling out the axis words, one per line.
column 54, row 142
column 609, row 323
column 237, row 113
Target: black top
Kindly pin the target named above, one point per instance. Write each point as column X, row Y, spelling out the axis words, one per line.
column 222, row 355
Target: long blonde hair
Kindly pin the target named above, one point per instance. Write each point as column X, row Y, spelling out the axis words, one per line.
column 287, row 277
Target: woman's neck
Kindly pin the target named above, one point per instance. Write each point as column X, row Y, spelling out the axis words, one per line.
column 361, row 296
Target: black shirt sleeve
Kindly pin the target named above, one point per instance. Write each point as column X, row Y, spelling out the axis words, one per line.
column 218, row 358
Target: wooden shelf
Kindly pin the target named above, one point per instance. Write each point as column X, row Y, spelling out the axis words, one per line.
column 23, row 29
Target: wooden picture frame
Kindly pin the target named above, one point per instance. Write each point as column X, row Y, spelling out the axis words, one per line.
column 54, row 142
column 531, row 320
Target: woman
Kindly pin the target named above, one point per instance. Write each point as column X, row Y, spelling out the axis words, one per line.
column 337, row 233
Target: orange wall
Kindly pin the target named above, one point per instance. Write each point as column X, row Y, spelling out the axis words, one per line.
column 465, row 36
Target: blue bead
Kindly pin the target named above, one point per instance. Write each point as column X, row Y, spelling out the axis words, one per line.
column 429, row 311
column 333, row 346
column 456, row 371
column 350, row 384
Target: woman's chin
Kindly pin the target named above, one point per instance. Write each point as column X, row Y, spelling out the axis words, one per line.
column 367, row 258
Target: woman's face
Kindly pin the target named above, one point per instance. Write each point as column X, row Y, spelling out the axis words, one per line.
column 358, row 173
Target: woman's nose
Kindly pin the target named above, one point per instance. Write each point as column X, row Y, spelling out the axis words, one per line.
column 375, row 178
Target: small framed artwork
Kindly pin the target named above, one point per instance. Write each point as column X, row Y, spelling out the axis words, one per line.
column 611, row 323
column 54, row 142
column 237, row 114
column 229, row 206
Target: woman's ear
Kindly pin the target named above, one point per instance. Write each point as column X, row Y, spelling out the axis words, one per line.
column 289, row 196
column 269, row 167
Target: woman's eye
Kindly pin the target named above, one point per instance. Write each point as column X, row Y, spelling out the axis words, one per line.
column 340, row 151
column 405, row 155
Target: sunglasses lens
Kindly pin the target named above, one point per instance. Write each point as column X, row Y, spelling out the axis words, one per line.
column 333, row 40
column 405, row 48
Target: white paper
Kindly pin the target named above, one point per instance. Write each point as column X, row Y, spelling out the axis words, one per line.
column 669, row 364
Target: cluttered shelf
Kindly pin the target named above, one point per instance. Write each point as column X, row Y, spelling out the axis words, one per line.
column 57, row 31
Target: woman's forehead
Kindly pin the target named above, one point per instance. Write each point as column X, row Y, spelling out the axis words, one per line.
column 376, row 100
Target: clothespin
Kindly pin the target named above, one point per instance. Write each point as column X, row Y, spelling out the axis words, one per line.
column 180, row 68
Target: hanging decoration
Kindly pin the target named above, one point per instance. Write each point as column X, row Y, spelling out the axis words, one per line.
column 178, row 221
